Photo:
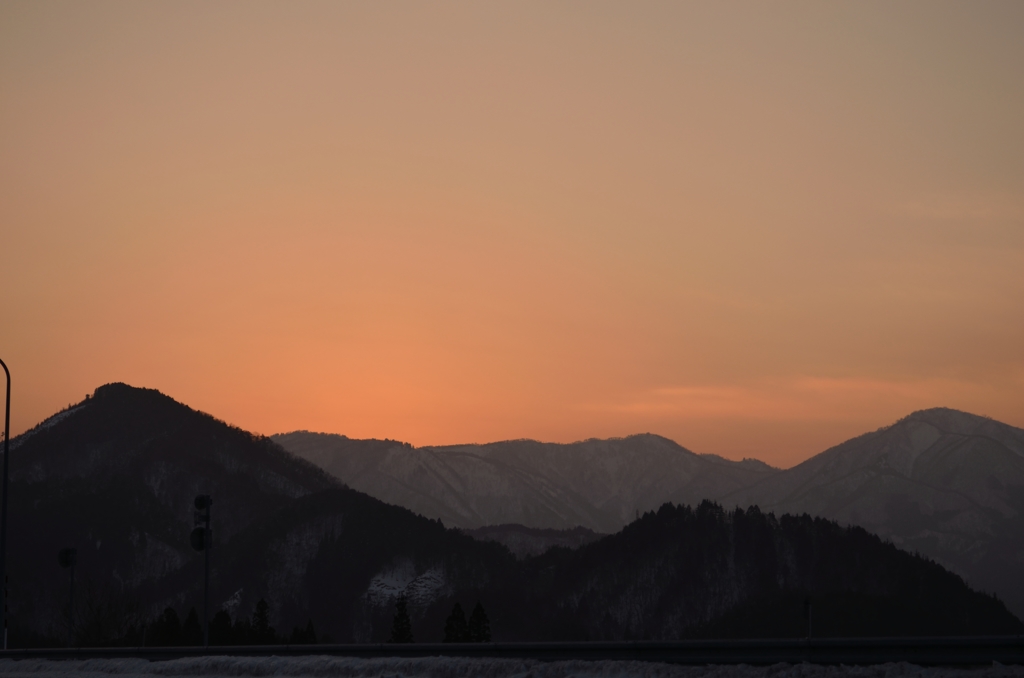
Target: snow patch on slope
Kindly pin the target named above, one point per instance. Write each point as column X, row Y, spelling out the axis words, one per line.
column 45, row 424
column 420, row 588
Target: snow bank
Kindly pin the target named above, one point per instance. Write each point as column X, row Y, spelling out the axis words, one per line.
column 447, row 667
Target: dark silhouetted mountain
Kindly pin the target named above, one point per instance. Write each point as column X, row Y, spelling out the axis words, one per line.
column 945, row 483
column 342, row 559
column 707, row 572
column 115, row 476
column 525, row 541
column 599, row 484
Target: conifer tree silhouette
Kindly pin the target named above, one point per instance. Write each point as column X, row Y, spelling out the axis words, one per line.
column 401, row 628
column 310, row 633
column 220, row 629
column 263, row 633
column 455, row 629
column 479, row 630
column 191, row 631
column 166, row 630
column 241, row 633
column 304, row 637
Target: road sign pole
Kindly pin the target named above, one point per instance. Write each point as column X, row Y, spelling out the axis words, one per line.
column 71, row 608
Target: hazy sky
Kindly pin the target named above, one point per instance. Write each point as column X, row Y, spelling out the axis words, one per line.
column 757, row 229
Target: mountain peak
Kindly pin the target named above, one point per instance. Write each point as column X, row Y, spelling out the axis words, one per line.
column 119, row 388
column 949, row 420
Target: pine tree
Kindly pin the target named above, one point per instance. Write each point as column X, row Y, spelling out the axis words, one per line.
column 191, row 630
column 310, row 633
column 455, row 629
column 242, row 632
column 166, row 630
column 479, row 625
column 304, row 637
column 263, row 633
column 401, row 628
column 220, row 629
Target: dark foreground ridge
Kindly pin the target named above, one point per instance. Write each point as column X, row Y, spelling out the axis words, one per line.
column 977, row 651
column 297, row 557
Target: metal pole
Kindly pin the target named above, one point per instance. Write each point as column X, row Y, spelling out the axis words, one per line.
column 208, row 538
column 71, row 608
column 202, row 540
column 3, row 511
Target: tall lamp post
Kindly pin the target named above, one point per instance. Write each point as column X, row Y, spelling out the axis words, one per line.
column 3, row 511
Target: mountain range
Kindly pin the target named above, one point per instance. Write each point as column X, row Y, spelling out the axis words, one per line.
column 945, row 483
column 115, row 475
column 598, row 484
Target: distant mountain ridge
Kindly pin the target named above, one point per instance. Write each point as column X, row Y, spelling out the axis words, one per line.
column 943, row 482
column 532, row 541
column 599, row 484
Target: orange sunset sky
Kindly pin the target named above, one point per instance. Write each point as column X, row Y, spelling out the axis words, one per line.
column 755, row 228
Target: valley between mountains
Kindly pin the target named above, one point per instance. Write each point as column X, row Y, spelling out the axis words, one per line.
column 650, row 540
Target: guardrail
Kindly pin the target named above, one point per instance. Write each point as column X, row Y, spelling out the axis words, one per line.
column 961, row 651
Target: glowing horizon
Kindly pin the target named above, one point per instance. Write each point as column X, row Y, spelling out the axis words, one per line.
column 755, row 230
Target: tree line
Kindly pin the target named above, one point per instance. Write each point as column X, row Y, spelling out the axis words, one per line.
column 457, row 629
column 168, row 631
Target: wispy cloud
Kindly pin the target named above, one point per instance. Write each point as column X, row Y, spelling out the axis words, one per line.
column 803, row 398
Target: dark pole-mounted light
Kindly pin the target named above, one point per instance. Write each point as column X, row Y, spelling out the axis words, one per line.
column 201, row 540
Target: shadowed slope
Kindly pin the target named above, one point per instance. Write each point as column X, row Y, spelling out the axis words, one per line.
column 532, row 541
column 344, row 559
column 945, row 483
column 115, row 476
column 683, row 572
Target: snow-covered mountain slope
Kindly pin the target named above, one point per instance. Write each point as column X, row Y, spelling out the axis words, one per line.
column 599, row 484
column 942, row 482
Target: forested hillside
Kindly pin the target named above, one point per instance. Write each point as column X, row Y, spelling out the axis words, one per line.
column 683, row 572
column 297, row 555
column 946, row 483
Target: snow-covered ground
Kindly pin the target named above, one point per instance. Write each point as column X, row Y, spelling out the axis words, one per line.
column 446, row 667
